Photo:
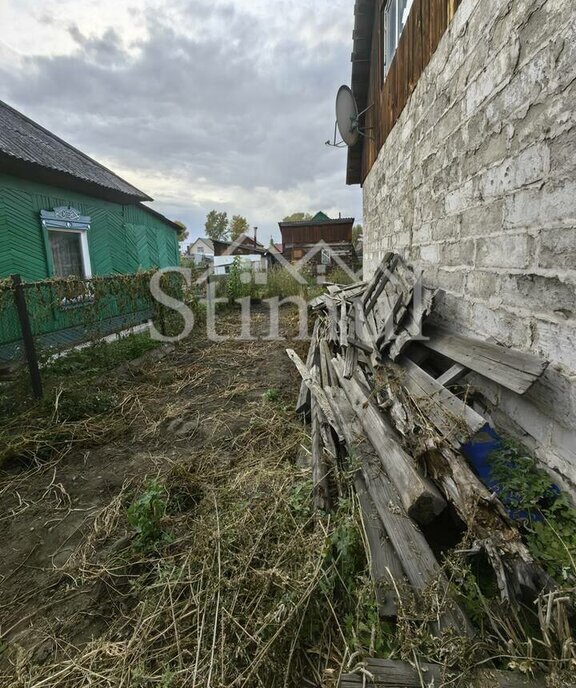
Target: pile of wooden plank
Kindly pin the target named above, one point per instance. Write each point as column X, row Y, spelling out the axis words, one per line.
column 378, row 390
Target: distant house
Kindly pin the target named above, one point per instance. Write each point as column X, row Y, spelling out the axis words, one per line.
column 62, row 214
column 201, row 250
column 259, row 257
column 242, row 246
column 322, row 238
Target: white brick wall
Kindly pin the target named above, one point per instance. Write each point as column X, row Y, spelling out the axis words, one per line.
column 476, row 185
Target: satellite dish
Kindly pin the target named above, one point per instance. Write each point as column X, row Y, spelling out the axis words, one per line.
column 347, row 116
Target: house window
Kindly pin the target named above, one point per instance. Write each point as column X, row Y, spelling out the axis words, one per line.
column 67, row 239
column 393, row 19
column 67, row 256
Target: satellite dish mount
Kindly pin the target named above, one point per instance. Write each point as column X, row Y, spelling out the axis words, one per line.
column 347, row 120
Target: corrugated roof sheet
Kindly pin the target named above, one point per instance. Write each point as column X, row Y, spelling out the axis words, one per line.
column 27, row 141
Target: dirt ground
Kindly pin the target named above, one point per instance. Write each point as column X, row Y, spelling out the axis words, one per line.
column 197, row 397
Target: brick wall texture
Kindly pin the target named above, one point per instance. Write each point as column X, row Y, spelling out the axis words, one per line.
column 476, row 185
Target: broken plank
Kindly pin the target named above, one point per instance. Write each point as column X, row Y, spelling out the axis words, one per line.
column 421, row 499
column 412, row 550
column 303, row 401
column 452, row 375
column 378, row 279
column 388, row 673
column 517, row 574
column 454, row 419
column 351, row 357
column 513, row 369
column 316, row 390
column 411, row 325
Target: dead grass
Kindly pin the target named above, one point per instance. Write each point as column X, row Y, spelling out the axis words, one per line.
column 247, row 588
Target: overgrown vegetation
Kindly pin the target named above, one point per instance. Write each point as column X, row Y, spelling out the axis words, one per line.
column 276, row 282
column 82, row 404
column 546, row 515
column 232, row 580
column 215, row 568
column 146, row 514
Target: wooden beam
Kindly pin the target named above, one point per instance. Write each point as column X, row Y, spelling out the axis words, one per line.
column 452, row 375
column 303, row 401
column 513, row 369
column 387, row 673
column 454, row 419
column 420, row 498
column 412, row 550
column 321, row 496
column 316, row 390
column 385, row 566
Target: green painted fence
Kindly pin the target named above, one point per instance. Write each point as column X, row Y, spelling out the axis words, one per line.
column 66, row 312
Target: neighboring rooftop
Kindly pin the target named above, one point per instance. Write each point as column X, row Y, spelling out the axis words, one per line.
column 318, row 219
column 206, row 240
column 31, row 151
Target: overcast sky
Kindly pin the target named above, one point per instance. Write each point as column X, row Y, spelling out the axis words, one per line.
column 202, row 104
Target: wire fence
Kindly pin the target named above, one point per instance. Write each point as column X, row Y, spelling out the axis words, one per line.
column 40, row 318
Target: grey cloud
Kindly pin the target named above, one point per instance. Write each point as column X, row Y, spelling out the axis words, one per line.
column 235, row 103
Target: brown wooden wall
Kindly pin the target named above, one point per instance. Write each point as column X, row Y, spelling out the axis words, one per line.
column 312, row 234
column 427, row 23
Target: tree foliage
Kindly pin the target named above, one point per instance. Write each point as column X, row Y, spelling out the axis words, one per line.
column 216, row 225
column 357, row 232
column 238, row 225
column 297, row 217
column 182, row 232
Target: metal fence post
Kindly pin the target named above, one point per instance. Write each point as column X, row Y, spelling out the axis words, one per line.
column 27, row 338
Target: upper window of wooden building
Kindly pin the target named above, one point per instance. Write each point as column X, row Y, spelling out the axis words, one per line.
column 393, row 18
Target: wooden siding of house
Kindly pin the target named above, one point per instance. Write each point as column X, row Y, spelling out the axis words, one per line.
column 123, row 239
column 426, row 24
column 312, row 234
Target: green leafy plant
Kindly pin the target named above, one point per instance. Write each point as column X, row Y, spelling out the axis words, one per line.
column 100, row 357
column 146, row 514
column 548, row 518
column 271, row 395
column 77, row 404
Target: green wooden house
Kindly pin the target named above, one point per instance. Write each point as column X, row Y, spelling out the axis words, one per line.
column 62, row 215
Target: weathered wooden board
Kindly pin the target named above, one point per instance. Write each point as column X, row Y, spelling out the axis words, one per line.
column 412, row 323
column 387, row 673
column 454, row 419
column 410, row 546
column 385, row 566
column 452, row 375
column 303, row 401
column 316, row 390
column 513, row 369
column 321, row 495
column 420, row 498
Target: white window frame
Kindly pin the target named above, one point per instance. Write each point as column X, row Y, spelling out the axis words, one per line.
column 398, row 28
column 68, row 219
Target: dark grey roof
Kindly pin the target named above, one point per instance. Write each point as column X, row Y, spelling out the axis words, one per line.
column 313, row 222
column 31, row 147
